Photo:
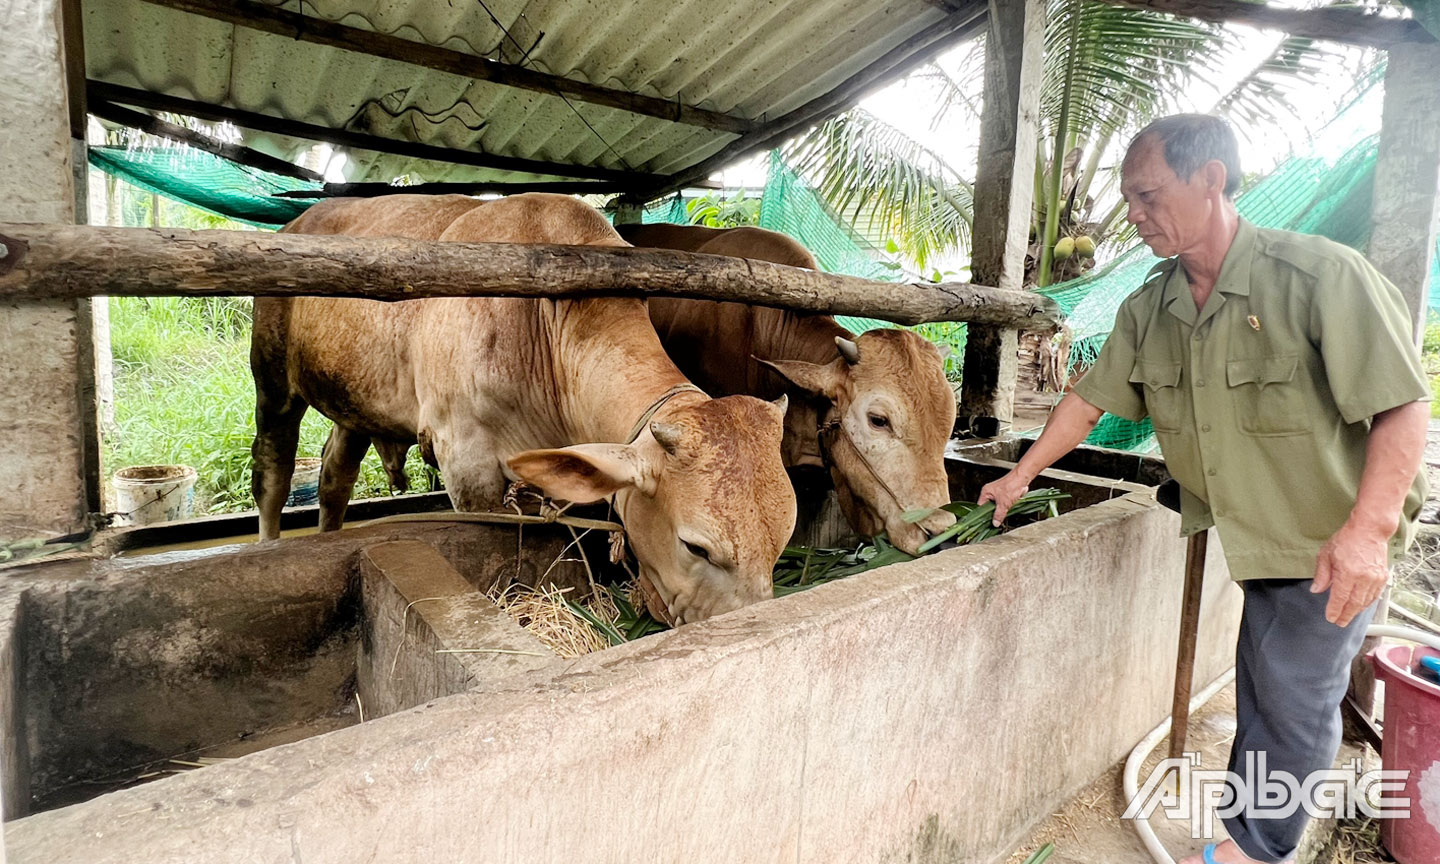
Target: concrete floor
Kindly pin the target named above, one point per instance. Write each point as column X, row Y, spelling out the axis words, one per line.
column 1089, row 830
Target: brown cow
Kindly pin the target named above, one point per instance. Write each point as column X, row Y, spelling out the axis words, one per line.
column 490, row 384
column 883, row 401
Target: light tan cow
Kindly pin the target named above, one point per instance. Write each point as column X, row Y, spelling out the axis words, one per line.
column 495, row 388
column 876, row 408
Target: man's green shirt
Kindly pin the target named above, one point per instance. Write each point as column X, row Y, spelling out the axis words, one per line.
column 1262, row 400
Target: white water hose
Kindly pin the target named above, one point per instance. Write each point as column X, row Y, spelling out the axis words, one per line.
column 1149, row 742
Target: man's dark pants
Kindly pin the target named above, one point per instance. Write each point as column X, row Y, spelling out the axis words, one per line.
column 1292, row 668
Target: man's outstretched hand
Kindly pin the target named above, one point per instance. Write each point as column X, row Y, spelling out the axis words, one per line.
column 1004, row 492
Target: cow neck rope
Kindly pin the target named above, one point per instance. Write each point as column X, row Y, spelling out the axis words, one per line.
column 834, row 427
column 617, row 538
column 655, row 406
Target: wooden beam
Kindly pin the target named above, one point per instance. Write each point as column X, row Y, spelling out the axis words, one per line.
column 234, row 152
column 499, row 187
column 93, row 366
column 100, row 90
column 895, row 63
column 62, row 261
column 1335, row 24
column 72, row 20
column 304, row 28
column 375, row 190
column 1004, row 193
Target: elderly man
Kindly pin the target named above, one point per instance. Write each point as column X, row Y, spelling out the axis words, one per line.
column 1286, row 391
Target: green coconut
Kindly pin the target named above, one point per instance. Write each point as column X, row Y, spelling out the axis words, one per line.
column 1064, row 248
column 1085, row 245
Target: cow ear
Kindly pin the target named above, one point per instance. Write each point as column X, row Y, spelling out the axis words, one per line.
column 820, row 379
column 584, row 472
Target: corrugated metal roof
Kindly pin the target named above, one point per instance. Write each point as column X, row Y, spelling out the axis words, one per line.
column 755, row 59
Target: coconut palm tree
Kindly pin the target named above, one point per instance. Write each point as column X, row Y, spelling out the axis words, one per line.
column 1108, row 70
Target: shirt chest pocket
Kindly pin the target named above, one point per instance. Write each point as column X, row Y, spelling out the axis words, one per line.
column 1164, row 398
column 1267, row 399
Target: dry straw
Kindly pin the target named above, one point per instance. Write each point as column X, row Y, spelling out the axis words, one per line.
column 546, row 613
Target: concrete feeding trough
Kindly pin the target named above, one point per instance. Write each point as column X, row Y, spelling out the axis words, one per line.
column 128, row 669
column 925, row 711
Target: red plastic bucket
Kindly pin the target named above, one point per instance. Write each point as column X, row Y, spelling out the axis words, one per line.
column 1412, row 743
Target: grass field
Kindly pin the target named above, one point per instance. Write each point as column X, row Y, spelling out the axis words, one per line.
column 184, row 395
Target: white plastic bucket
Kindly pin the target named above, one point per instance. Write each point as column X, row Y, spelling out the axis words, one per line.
column 304, row 483
column 145, row 494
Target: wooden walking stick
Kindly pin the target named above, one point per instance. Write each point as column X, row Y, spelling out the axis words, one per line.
column 1195, row 547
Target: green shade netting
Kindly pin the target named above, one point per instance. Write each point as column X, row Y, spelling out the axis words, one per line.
column 1325, row 190
column 208, row 182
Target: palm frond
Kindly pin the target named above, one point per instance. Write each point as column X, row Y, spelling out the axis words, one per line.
column 958, row 91
column 867, row 170
column 1128, row 63
column 1267, row 93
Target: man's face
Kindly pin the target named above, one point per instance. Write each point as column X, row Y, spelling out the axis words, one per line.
column 1170, row 212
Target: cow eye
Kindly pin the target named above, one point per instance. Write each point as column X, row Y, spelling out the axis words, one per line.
column 698, row 551
column 879, row 421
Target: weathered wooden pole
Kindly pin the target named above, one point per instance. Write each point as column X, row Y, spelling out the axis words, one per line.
column 1004, row 189
column 629, row 211
column 67, row 261
column 1402, row 235
column 1407, row 176
column 1196, row 546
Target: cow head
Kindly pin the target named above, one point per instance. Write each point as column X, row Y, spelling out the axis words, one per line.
column 704, row 497
column 886, row 415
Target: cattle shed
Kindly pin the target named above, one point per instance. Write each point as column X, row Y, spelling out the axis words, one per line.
column 923, row 712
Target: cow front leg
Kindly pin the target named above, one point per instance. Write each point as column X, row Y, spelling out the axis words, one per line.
column 470, row 468
column 339, row 466
column 277, row 434
column 392, row 456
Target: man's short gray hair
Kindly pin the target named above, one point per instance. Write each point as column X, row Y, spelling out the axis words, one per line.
column 1191, row 140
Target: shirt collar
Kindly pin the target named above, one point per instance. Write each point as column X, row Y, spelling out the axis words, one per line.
column 1235, row 272
column 1234, row 278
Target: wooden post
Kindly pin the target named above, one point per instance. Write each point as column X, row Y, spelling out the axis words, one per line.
column 1004, row 191
column 1402, row 237
column 43, row 345
column 46, row 395
column 987, row 390
column 1407, row 175
column 1195, row 549
column 629, row 211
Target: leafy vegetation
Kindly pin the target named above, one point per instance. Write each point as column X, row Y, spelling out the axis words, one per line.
column 184, row 395
column 720, row 211
column 1430, row 353
column 801, row 568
